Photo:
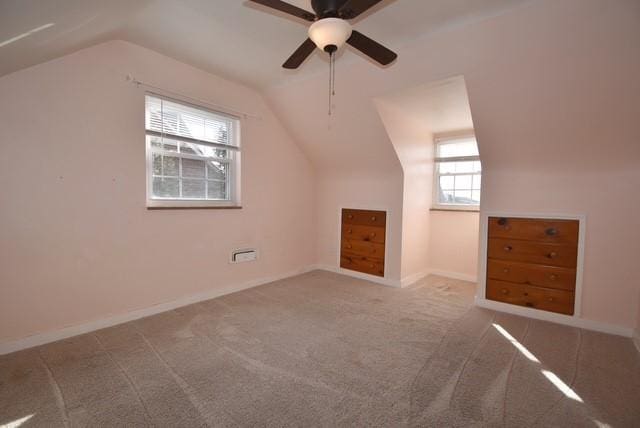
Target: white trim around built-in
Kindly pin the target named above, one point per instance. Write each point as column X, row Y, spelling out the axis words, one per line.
column 352, row 273
column 576, row 320
column 388, row 235
column 75, row 330
column 482, row 261
column 555, row 318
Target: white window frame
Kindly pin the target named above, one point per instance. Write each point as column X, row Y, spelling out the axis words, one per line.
column 436, row 204
column 234, row 161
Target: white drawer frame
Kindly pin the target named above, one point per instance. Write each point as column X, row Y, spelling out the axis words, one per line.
column 384, row 280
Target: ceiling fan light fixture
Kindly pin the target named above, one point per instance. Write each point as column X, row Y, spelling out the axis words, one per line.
column 330, row 32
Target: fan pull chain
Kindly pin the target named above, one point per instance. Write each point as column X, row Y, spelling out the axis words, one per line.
column 331, row 77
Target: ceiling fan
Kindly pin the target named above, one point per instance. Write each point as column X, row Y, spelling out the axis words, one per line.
column 330, row 29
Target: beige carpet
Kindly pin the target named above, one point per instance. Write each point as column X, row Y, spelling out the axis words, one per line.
column 322, row 349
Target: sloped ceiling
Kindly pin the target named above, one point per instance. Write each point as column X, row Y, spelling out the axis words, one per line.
column 440, row 107
column 231, row 38
column 551, row 87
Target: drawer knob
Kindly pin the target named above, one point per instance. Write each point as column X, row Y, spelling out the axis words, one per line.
column 552, row 231
column 552, row 255
column 505, row 270
column 373, row 218
column 350, row 216
column 373, row 235
column 553, row 277
column 350, row 231
column 371, row 265
column 502, row 221
column 349, row 246
column 508, row 248
column 550, row 299
column 504, row 291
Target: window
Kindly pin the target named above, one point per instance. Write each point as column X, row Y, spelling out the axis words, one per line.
column 457, row 174
column 193, row 155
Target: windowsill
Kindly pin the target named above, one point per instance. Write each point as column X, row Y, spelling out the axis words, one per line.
column 457, row 209
column 190, row 204
column 195, row 207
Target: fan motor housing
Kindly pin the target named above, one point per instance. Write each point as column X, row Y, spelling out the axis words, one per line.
column 327, row 8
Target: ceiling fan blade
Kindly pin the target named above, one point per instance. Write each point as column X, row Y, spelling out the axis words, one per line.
column 298, row 57
column 371, row 48
column 353, row 8
column 287, row 8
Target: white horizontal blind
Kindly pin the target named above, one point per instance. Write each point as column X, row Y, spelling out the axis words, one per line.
column 191, row 152
column 458, row 172
column 181, row 121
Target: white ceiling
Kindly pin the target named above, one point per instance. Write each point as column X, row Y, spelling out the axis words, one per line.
column 232, row 38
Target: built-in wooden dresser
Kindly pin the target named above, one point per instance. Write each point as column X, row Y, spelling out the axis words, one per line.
column 362, row 241
column 532, row 262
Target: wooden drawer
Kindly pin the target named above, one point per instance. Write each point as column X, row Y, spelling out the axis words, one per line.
column 362, row 264
column 546, row 299
column 553, row 231
column 533, row 252
column 523, row 273
column 364, row 217
column 506, row 292
column 363, row 248
column 363, row 233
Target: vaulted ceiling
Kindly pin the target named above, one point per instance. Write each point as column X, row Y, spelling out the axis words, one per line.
column 232, row 38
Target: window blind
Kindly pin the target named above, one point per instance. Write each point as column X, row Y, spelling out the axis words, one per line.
column 181, row 122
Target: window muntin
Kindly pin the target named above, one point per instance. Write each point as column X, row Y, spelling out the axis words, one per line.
column 458, row 173
column 193, row 155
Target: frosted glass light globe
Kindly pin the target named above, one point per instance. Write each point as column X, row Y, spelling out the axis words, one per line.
column 330, row 31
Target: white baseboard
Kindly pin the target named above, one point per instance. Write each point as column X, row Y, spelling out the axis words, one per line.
column 454, row 275
column 404, row 282
column 379, row 280
column 412, row 279
column 556, row 318
column 75, row 330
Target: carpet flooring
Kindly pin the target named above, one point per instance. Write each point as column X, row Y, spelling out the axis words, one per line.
column 322, row 349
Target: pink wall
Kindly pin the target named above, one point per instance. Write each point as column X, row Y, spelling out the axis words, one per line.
column 553, row 88
column 453, row 246
column 76, row 241
column 358, row 190
column 439, row 242
column 413, row 144
column 612, row 226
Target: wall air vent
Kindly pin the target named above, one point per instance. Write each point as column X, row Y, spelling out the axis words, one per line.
column 244, row 255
